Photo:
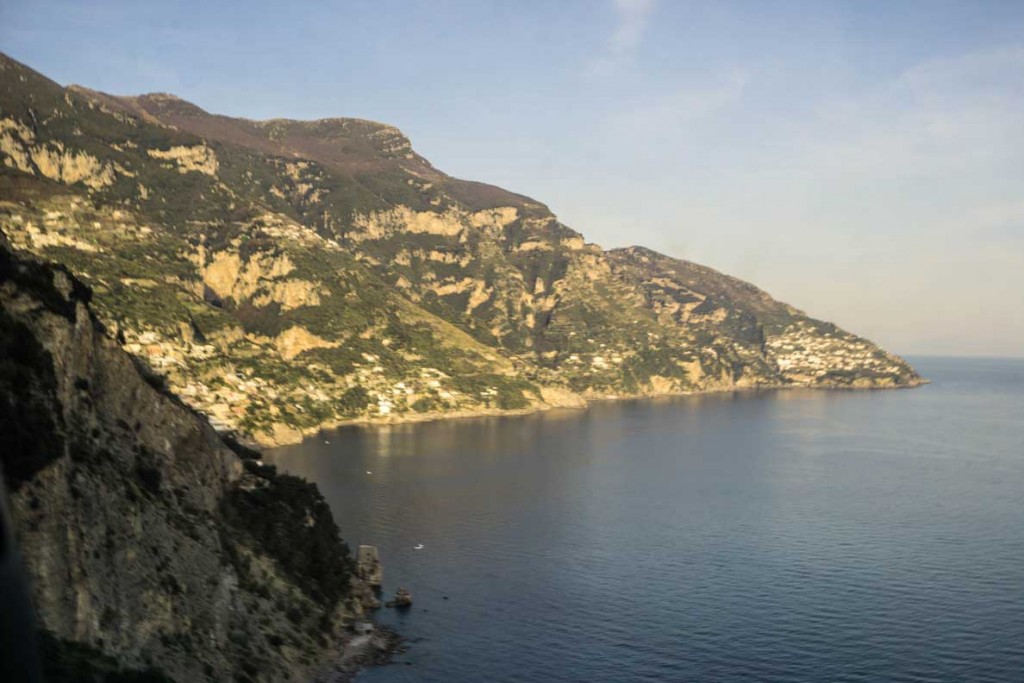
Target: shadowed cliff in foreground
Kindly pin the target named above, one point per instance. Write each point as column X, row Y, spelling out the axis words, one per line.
column 155, row 548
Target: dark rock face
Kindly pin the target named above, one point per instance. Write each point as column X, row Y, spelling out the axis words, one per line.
column 148, row 540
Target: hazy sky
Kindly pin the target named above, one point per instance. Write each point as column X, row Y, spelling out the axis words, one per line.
column 861, row 160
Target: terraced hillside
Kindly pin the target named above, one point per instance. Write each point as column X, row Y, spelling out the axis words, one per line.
column 286, row 275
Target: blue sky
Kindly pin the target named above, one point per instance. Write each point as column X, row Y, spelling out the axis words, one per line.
column 863, row 160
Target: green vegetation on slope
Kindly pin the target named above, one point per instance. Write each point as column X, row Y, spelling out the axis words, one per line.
column 287, row 275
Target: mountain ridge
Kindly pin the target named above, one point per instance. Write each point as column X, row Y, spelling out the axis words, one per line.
column 287, row 276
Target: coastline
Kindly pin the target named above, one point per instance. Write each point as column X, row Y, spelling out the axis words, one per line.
column 375, row 648
column 559, row 484
column 290, row 436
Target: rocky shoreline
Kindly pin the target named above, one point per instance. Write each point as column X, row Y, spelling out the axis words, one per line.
column 376, row 647
column 371, row 644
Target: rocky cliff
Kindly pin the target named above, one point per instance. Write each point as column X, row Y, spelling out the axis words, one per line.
column 285, row 275
column 154, row 546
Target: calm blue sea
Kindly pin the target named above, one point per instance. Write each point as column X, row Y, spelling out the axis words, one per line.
column 777, row 536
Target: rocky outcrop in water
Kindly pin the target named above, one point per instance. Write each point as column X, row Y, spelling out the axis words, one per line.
column 402, row 599
column 368, row 566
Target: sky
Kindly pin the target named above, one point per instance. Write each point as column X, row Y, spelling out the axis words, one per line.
column 863, row 161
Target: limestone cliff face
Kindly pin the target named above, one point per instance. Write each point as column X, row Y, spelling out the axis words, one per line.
column 147, row 537
column 288, row 275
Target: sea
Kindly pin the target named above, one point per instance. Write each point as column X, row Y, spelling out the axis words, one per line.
column 789, row 535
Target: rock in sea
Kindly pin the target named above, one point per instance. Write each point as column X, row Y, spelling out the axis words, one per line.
column 403, row 598
column 368, row 566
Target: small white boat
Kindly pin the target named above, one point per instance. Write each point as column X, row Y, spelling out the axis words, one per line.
column 418, row 547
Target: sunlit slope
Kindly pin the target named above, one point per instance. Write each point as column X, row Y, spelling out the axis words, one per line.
column 286, row 275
